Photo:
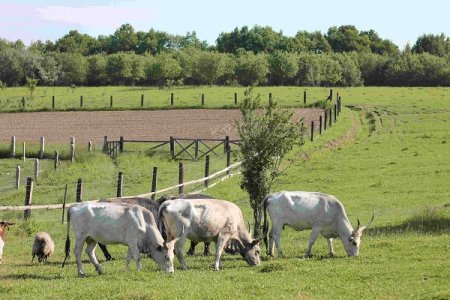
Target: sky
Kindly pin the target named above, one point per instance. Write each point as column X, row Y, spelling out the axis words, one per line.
column 400, row 21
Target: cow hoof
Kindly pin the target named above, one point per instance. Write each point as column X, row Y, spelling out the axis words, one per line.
column 81, row 275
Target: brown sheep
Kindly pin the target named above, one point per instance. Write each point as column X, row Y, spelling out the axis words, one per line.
column 43, row 246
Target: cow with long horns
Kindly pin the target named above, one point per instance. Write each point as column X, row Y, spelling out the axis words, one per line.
column 322, row 213
column 206, row 220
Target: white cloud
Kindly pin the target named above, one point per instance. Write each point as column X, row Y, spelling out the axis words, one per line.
column 96, row 17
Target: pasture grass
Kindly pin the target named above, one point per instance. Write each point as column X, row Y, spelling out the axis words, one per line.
column 126, row 98
column 388, row 153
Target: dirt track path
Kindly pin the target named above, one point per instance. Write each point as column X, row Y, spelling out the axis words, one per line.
column 146, row 125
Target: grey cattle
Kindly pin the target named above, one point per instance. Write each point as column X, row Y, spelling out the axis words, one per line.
column 110, row 223
column 152, row 206
column 207, row 220
column 322, row 213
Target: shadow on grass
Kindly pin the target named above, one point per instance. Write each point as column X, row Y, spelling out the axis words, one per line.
column 30, row 276
column 431, row 220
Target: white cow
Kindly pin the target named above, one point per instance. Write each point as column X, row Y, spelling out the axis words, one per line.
column 206, row 220
column 110, row 223
column 322, row 213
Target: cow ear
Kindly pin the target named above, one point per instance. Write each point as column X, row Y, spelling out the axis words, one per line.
column 159, row 248
column 254, row 243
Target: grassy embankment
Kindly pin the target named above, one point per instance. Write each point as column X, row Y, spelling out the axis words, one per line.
column 389, row 153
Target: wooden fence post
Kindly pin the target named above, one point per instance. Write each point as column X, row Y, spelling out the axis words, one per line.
column 105, row 143
column 330, row 117
column 180, row 178
column 42, row 148
column 203, row 99
column 18, row 177
column 53, row 102
column 172, row 147
column 154, row 181
column 72, row 149
column 312, row 131
column 28, row 197
column 339, row 105
column 90, row 146
column 171, row 99
column 56, row 158
column 270, row 98
column 142, row 100
column 64, row 204
column 325, row 116
column 196, row 149
column 304, row 98
column 36, row 168
column 335, row 113
column 119, row 184
column 79, row 189
column 121, row 144
column 13, row 147
column 81, row 101
column 111, row 102
column 23, row 149
column 206, row 169
column 331, row 95
column 23, row 102
column 226, row 144
column 228, row 160
column 235, row 99
column 320, row 125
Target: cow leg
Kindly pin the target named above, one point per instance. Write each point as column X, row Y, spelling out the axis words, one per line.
column 312, row 238
column 90, row 250
column 274, row 239
column 179, row 251
column 78, row 250
column 191, row 250
column 206, row 250
column 133, row 253
column 330, row 247
column 105, row 251
column 221, row 241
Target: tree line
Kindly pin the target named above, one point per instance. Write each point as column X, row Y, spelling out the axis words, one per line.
column 246, row 56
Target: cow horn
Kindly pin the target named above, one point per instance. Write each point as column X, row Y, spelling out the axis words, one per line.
column 249, row 227
column 357, row 227
column 371, row 220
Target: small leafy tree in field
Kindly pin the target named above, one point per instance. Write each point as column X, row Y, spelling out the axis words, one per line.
column 267, row 135
column 31, row 84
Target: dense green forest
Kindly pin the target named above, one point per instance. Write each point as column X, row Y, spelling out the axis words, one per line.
column 344, row 56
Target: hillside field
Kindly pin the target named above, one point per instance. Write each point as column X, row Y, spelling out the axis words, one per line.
column 388, row 153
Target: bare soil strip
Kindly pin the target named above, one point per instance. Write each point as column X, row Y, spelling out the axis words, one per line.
column 136, row 125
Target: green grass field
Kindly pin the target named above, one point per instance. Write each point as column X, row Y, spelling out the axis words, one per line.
column 389, row 153
column 99, row 98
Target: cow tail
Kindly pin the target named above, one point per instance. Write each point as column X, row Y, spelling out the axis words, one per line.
column 266, row 223
column 161, row 226
column 67, row 247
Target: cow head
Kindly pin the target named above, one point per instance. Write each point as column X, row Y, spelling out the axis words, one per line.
column 351, row 244
column 163, row 255
column 3, row 225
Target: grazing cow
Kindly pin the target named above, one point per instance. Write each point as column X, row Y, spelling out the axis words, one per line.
column 207, row 220
column 110, row 223
column 43, row 246
column 3, row 225
column 322, row 213
column 152, row 206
